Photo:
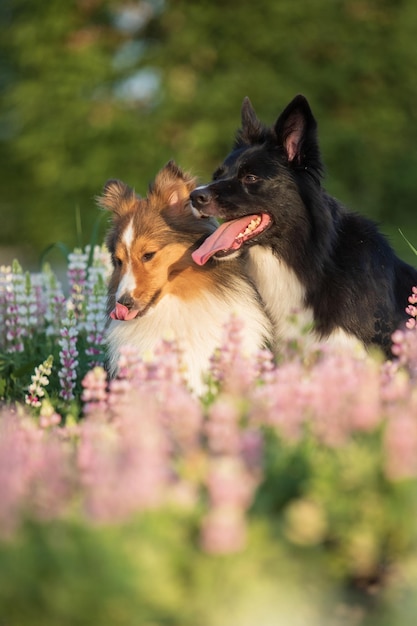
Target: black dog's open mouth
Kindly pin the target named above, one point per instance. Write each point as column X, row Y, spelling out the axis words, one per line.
column 230, row 236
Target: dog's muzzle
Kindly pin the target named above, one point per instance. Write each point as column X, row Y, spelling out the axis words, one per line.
column 201, row 198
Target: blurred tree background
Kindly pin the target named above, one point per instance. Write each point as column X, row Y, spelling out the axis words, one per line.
column 96, row 89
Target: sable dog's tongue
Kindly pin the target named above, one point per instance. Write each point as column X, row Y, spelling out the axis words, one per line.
column 121, row 312
column 223, row 238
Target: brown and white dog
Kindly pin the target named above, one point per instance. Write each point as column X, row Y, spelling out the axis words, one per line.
column 157, row 290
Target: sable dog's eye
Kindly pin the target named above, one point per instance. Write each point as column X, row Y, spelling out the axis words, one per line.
column 250, row 178
column 117, row 262
column 148, row 256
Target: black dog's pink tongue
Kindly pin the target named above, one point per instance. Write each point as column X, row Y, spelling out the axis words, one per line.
column 223, row 238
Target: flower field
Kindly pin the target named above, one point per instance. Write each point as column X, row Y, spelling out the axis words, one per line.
column 286, row 496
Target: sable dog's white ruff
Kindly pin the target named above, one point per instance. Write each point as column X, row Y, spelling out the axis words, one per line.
column 197, row 325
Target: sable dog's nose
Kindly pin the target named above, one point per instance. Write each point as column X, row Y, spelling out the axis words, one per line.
column 200, row 197
column 126, row 300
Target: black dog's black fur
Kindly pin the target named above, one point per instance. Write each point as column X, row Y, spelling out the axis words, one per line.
column 352, row 278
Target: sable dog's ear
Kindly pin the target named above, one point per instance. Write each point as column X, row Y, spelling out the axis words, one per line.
column 117, row 197
column 171, row 187
column 296, row 131
column 252, row 130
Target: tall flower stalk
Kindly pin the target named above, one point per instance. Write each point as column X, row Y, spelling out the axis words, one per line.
column 40, row 379
column 95, row 305
column 68, row 355
column 14, row 314
column 77, row 277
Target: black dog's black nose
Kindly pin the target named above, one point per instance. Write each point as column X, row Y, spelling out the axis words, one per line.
column 200, row 197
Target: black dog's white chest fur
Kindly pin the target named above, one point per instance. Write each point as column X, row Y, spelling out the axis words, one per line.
column 285, row 301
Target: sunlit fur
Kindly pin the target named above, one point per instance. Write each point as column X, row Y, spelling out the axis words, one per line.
column 151, row 241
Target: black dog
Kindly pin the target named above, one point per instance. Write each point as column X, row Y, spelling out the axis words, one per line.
column 306, row 252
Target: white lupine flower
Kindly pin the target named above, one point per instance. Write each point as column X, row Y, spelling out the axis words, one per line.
column 40, row 379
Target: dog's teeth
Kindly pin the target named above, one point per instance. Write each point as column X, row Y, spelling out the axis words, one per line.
column 250, row 227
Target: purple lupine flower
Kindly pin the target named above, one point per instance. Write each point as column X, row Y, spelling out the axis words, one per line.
column 31, row 316
column 95, row 303
column 68, row 354
column 77, row 277
column 22, row 314
column 39, row 300
column 54, row 299
column 94, row 324
column 15, row 311
column 5, row 280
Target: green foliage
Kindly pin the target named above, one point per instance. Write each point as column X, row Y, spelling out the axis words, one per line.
column 68, row 121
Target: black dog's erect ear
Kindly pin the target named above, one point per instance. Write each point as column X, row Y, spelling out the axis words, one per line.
column 252, row 130
column 296, row 131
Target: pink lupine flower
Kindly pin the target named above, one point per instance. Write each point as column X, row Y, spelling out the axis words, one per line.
column 251, row 449
column 234, row 371
column 221, row 427
column 34, row 472
column 48, row 417
column 282, row 402
column 400, row 443
column 94, row 394
column 130, row 366
column 344, row 397
column 395, row 386
column 15, row 443
column 404, row 347
column 182, row 417
column 411, row 309
column 230, row 489
column 229, row 483
column 123, row 465
column 223, row 531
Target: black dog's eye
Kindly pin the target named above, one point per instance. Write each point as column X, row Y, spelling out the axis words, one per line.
column 148, row 256
column 250, row 178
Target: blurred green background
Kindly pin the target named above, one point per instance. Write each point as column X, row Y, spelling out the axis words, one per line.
column 96, row 89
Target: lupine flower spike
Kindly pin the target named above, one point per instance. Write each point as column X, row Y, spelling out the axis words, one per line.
column 40, row 379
